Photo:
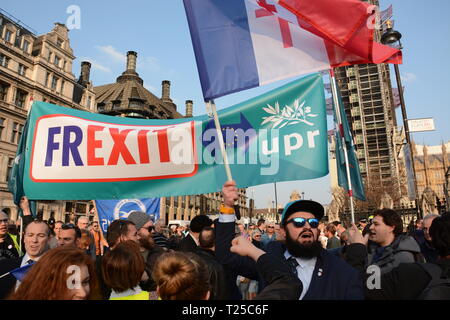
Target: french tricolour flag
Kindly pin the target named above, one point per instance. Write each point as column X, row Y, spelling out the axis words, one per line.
column 241, row 44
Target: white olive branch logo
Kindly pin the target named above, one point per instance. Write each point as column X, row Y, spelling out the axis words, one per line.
column 288, row 115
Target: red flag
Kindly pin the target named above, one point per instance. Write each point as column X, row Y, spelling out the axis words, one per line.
column 347, row 27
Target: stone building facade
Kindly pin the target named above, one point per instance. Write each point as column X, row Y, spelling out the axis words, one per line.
column 431, row 164
column 34, row 67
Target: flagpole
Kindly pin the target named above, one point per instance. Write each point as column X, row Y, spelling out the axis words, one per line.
column 226, row 163
column 344, row 145
column 21, row 235
column 212, row 106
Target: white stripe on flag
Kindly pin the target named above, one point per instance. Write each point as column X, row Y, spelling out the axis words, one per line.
column 275, row 62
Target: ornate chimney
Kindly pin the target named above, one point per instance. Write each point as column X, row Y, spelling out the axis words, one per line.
column 85, row 72
column 189, row 109
column 130, row 73
column 165, row 97
column 131, row 60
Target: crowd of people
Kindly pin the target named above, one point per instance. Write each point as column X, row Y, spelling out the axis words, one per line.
column 301, row 257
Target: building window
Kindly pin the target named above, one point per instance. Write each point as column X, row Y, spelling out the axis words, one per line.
column 20, row 98
column 22, row 69
column 19, row 132
column 49, row 58
column 25, row 45
column 57, row 59
column 15, row 132
column 62, row 86
column 3, row 91
column 2, row 126
column 8, row 36
column 4, row 60
column 10, row 165
column 59, row 42
column 88, row 102
column 47, row 76
column 64, row 65
column 54, row 82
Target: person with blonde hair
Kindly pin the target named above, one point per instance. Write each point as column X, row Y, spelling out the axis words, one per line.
column 63, row 273
column 181, row 276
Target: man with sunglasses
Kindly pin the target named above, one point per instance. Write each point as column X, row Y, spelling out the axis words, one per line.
column 324, row 276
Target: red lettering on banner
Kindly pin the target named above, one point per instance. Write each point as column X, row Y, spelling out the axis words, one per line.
column 268, row 10
column 93, row 144
column 119, row 147
column 163, row 144
column 143, row 146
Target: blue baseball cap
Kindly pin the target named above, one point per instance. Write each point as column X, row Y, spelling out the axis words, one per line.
column 310, row 206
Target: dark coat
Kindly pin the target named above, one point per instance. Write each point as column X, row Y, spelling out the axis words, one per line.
column 217, row 277
column 407, row 281
column 150, row 259
column 8, row 283
column 281, row 283
column 403, row 249
column 187, row 244
column 337, row 279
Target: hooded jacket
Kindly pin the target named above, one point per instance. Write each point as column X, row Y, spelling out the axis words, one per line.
column 404, row 249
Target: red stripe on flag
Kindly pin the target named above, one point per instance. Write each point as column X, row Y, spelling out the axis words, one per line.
column 350, row 193
column 341, row 130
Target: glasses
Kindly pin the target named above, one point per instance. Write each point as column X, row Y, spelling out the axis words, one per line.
column 269, row 227
column 300, row 222
column 4, row 221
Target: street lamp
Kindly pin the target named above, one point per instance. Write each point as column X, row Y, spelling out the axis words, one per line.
column 447, row 189
column 390, row 37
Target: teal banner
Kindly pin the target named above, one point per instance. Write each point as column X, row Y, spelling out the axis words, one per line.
column 67, row 154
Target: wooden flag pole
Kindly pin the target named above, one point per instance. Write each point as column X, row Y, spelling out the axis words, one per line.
column 212, row 106
column 344, row 145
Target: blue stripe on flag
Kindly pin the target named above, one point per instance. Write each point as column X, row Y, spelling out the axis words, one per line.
column 223, row 46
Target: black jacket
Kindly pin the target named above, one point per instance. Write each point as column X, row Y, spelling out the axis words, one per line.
column 336, row 279
column 150, row 259
column 217, row 277
column 281, row 283
column 8, row 283
column 187, row 244
column 8, row 248
column 407, row 281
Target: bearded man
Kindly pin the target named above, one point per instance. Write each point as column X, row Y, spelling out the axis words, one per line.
column 324, row 276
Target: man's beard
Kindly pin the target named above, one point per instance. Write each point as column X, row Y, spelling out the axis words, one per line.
column 307, row 251
column 147, row 242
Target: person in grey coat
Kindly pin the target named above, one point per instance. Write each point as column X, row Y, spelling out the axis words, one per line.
column 388, row 247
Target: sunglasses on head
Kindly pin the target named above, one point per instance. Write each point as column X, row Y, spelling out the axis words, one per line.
column 300, row 222
column 67, row 226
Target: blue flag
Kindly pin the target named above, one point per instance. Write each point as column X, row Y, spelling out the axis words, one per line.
column 20, row 273
column 110, row 210
column 355, row 175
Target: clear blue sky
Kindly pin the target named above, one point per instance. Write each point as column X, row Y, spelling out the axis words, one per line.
column 158, row 31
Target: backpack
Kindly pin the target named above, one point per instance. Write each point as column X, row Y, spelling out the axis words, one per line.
column 439, row 286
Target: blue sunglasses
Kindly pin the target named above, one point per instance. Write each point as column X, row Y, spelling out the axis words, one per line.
column 300, row 222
